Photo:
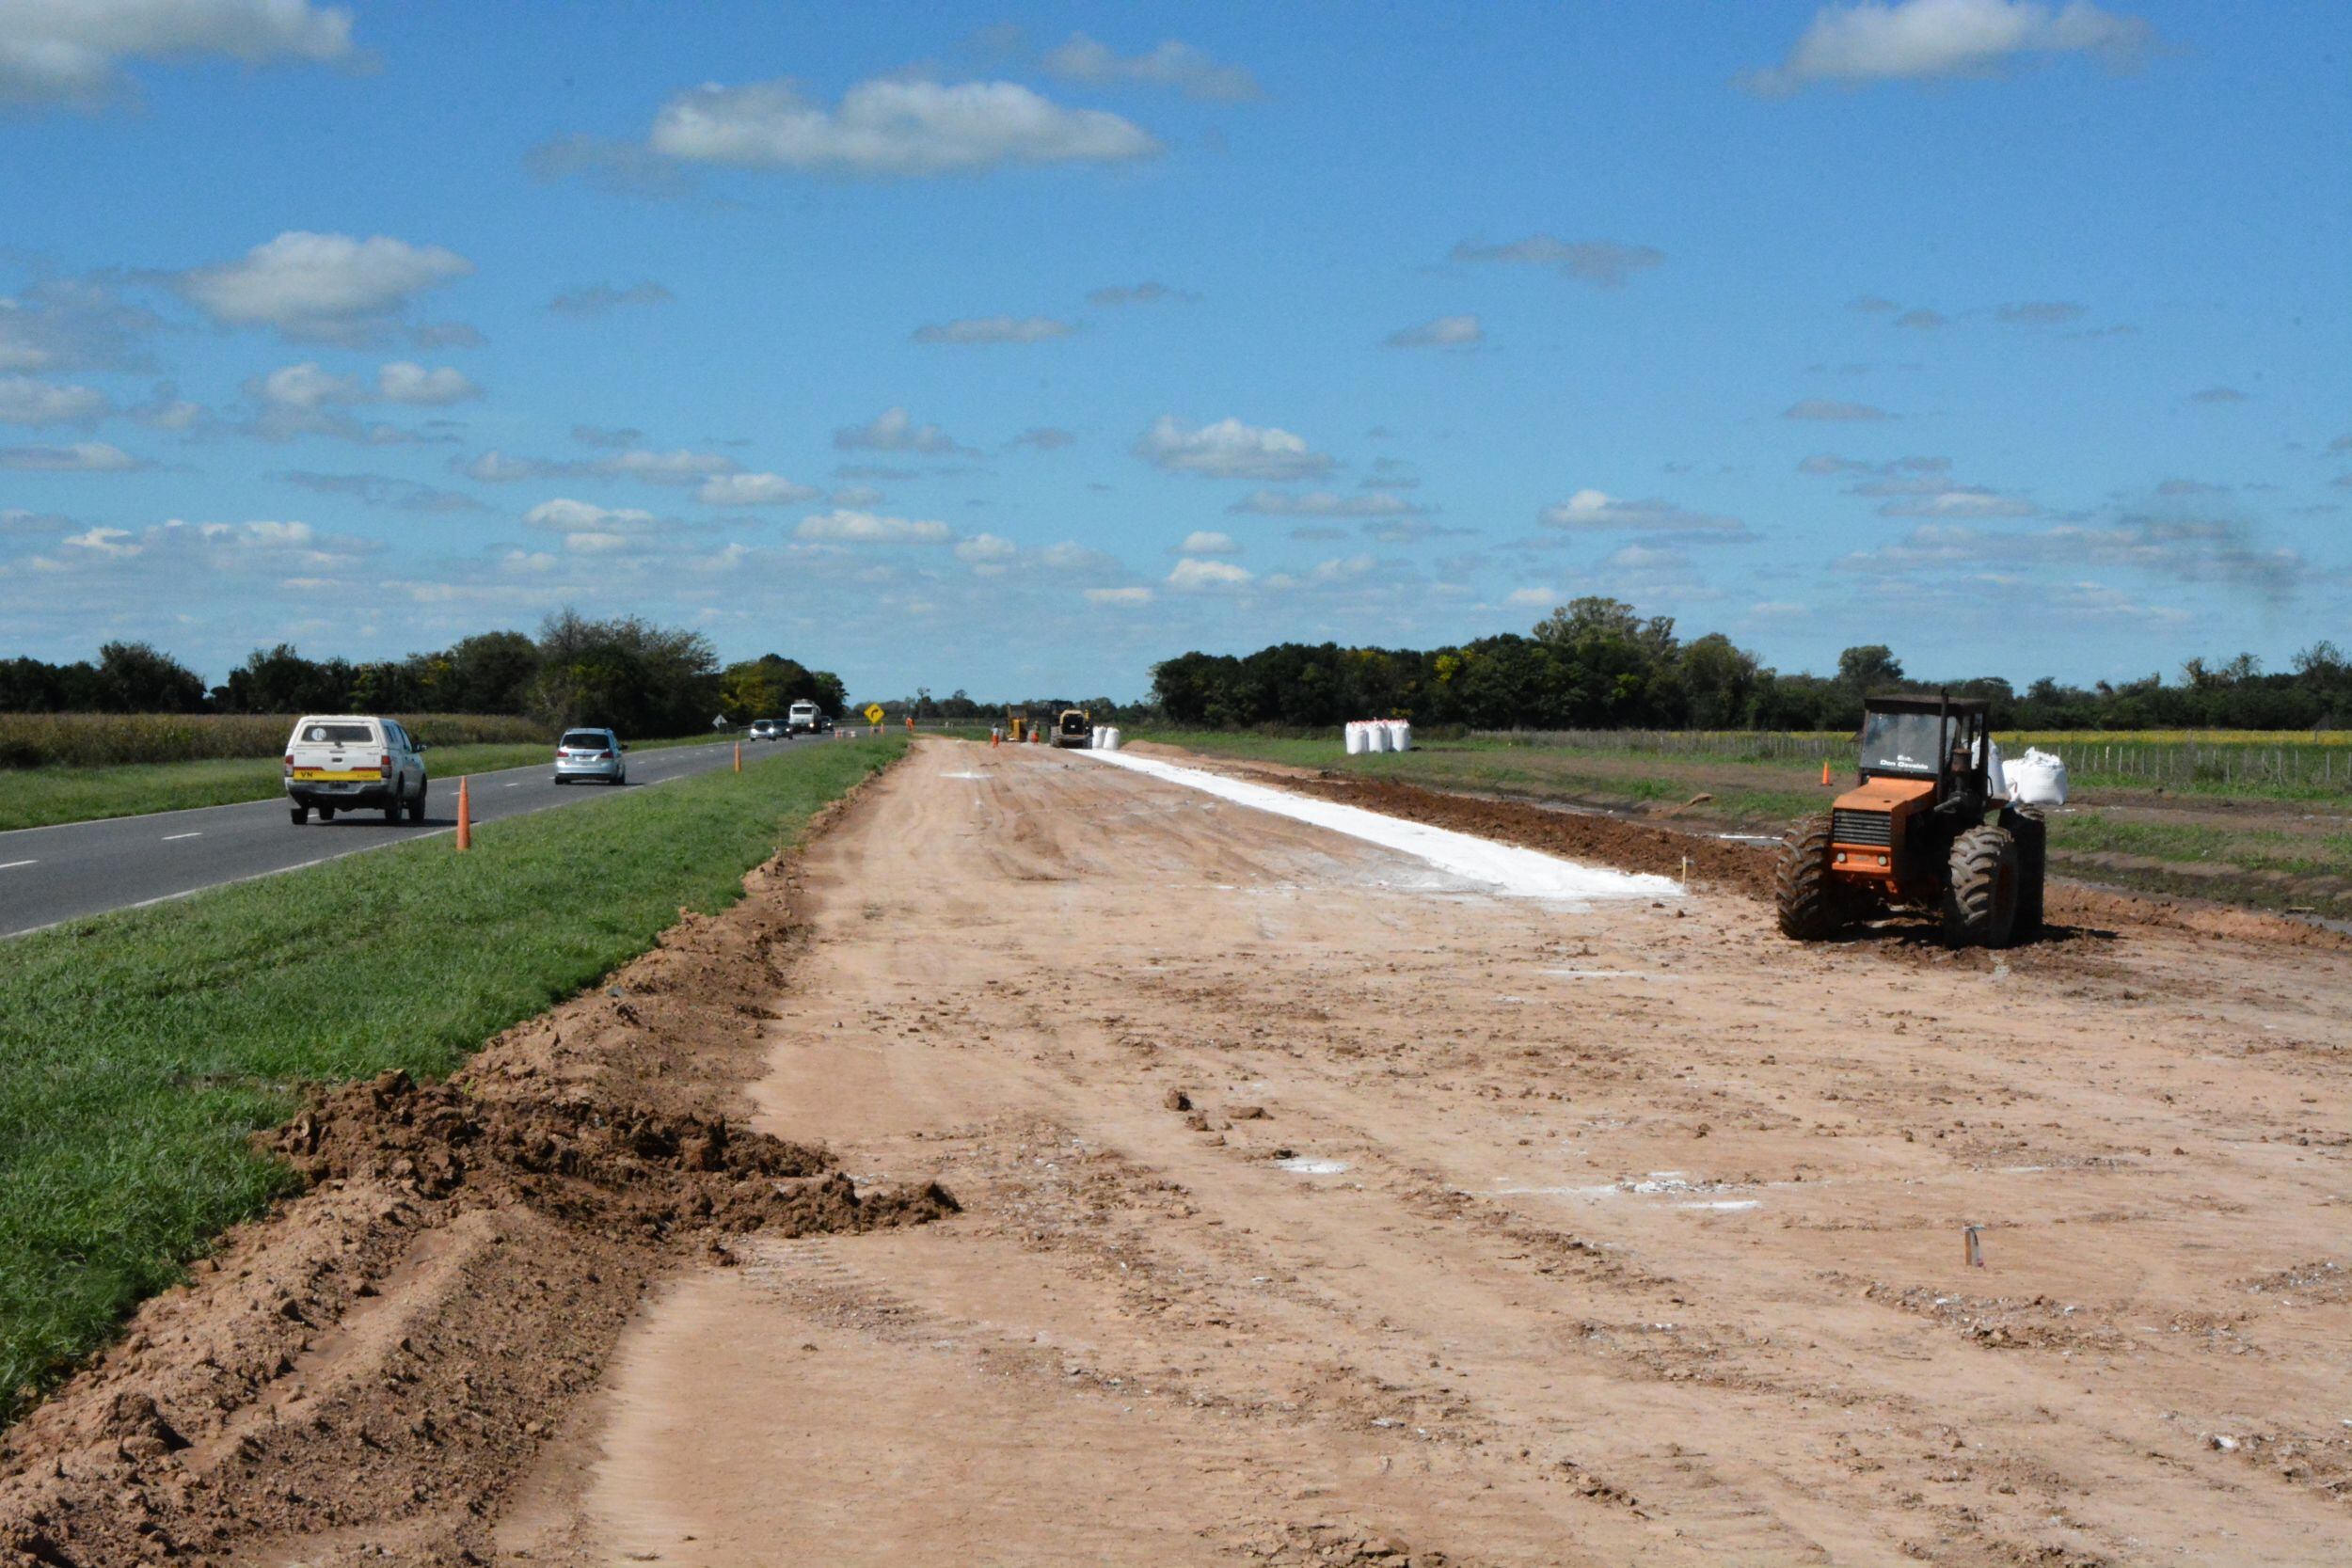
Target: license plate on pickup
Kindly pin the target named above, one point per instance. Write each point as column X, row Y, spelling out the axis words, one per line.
column 334, row 775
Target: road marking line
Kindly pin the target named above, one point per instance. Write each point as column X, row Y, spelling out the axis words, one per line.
column 168, row 837
column 11, row 865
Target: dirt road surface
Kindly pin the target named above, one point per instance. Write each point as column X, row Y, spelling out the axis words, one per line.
column 1316, row 1209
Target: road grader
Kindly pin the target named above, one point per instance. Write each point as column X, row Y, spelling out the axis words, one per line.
column 1913, row 834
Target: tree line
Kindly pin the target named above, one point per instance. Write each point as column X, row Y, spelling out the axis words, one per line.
column 629, row 673
column 1598, row 663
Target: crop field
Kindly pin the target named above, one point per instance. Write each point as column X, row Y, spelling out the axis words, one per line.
column 144, row 1046
column 113, row 739
column 2257, row 820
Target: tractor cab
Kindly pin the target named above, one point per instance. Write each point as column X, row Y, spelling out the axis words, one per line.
column 1911, row 833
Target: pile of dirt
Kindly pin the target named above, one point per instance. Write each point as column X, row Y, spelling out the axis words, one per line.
column 617, row 1168
column 360, row 1375
column 1726, row 865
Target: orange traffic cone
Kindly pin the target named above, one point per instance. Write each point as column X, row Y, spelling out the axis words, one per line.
column 465, row 816
column 739, row 756
column 1825, row 771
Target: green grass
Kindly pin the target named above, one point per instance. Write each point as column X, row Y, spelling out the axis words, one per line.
column 40, row 796
column 138, row 1050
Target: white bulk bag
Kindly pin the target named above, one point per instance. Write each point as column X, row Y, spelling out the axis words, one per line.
column 2036, row 779
column 1996, row 779
column 1358, row 742
column 1110, row 738
column 1401, row 737
column 1381, row 741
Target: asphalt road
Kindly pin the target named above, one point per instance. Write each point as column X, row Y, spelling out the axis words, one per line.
column 48, row 875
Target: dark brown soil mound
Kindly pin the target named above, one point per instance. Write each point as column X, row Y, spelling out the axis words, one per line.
column 1717, row 863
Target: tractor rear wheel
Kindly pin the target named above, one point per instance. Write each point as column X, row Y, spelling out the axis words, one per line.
column 2032, row 834
column 1981, row 897
column 1811, row 903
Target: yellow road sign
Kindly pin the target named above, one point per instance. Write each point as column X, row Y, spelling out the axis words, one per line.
column 873, row 713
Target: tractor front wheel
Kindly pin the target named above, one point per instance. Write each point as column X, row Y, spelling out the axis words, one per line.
column 1812, row 903
column 1980, row 898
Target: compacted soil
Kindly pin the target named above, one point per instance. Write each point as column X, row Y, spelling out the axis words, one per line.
column 1309, row 1207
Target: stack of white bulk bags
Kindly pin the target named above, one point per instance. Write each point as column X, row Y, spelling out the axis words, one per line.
column 2036, row 779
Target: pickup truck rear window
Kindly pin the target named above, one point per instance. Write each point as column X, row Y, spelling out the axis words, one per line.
column 333, row 734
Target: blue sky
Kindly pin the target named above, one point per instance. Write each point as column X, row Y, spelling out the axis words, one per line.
column 1015, row 348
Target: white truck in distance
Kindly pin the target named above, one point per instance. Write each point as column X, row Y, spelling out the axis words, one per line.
column 800, row 718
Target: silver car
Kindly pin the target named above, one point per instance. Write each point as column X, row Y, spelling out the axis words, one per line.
column 591, row 754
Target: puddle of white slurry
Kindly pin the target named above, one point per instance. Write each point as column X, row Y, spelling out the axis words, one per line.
column 964, row 775
column 1504, row 868
column 1305, row 1166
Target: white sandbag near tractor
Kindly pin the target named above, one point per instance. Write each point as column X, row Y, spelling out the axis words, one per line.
column 1996, row 773
column 2036, row 779
column 1111, row 739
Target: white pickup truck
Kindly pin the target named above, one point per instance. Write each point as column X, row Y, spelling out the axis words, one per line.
column 350, row 762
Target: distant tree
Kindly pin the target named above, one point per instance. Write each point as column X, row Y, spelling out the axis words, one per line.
column 133, row 677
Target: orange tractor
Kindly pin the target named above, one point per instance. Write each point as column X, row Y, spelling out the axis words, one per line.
column 1912, row 834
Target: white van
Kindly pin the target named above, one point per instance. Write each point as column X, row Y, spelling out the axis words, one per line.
column 800, row 718
column 351, row 762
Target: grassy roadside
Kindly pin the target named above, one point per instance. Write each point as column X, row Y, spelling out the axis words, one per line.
column 41, row 797
column 2267, row 848
column 142, row 1047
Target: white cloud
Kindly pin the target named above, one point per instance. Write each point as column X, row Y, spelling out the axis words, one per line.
column 1191, row 72
column 2184, row 549
column 1192, row 575
column 308, row 387
column 894, row 430
column 858, row 498
column 1141, row 294
column 1229, row 450
column 1440, row 332
column 1129, row 596
column 986, row 549
column 993, row 330
column 1044, row 437
column 1532, row 598
column 328, row 288
column 1598, row 512
column 1925, row 39
column 26, row 400
column 170, row 550
column 598, row 298
column 892, row 127
column 81, row 457
column 103, row 541
column 681, row 466
column 1832, row 411
column 1324, row 503
column 404, row 381
column 1203, row 542
column 865, row 528
column 754, row 490
column 574, row 517
column 53, row 53
column 495, row 468
column 67, row 323
column 1604, row 263
column 2040, row 312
